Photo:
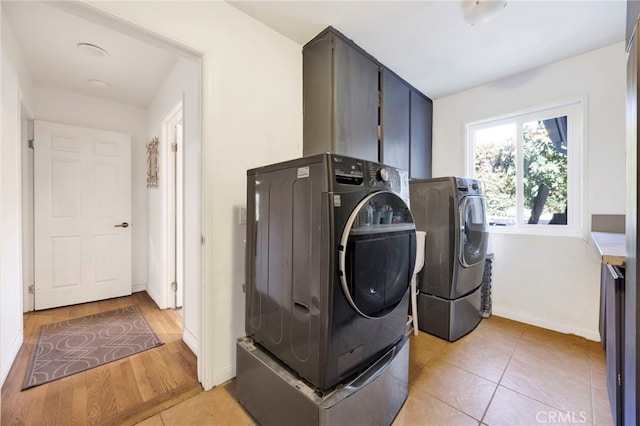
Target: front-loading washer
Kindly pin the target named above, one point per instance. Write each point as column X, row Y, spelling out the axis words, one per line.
column 331, row 249
column 451, row 210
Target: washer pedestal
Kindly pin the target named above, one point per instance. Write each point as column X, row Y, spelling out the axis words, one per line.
column 449, row 319
column 274, row 395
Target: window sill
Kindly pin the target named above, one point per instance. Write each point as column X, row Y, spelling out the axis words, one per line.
column 540, row 230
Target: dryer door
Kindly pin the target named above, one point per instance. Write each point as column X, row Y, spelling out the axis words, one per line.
column 377, row 254
column 474, row 235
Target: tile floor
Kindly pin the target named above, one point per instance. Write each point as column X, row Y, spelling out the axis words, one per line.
column 503, row 373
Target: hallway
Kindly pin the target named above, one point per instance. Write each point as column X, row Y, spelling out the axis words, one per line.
column 119, row 393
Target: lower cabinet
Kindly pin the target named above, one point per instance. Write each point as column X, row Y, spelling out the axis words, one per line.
column 612, row 331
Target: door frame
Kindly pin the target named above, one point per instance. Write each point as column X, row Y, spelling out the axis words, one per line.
column 27, row 188
column 173, row 207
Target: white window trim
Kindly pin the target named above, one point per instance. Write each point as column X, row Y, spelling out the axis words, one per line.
column 577, row 109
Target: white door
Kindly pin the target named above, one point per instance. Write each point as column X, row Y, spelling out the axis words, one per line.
column 82, row 201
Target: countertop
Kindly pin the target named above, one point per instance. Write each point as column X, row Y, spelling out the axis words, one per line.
column 611, row 246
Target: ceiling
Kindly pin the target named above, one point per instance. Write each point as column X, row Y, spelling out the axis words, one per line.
column 134, row 68
column 429, row 44
column 425, row 42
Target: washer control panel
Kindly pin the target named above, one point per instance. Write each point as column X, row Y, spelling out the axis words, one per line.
column 468, row 186
column 348, row 171
column 351, row 171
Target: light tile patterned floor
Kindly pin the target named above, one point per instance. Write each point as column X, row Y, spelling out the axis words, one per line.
column 503, row 373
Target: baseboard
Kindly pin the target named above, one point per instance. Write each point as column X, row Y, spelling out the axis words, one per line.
column 10, row 356
column 550, row 325
column 138, row 287
column 223, row 375
column 156, row 298
column 190, row 340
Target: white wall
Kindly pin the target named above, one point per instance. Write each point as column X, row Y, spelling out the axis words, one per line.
column 552, row 282
column 181, row 85
column 252, row 116
column 71, row 108
column 16, row 89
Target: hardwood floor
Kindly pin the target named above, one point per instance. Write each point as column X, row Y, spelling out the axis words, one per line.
column 122, row 392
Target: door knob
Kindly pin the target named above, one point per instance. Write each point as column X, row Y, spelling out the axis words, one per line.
column 121, row 225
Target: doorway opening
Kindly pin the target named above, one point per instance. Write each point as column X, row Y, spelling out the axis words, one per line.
column 184, row 81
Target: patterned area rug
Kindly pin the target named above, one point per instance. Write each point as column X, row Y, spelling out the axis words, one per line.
column 68, row 347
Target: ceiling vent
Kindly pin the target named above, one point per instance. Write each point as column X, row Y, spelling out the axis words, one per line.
column 98, row 83
column 92, row 50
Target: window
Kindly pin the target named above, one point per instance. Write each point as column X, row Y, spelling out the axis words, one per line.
column 531, row 164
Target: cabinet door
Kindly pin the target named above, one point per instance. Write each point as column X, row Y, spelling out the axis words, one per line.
column 421, row 123
column 394, row 119
column 602, row 327
column 633, row 13
column 317, row 96
column 355, row 109
column 614, row 339
column 632, row 315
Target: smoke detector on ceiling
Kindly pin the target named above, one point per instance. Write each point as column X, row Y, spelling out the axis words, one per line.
column 480, row 11
column 92, row 50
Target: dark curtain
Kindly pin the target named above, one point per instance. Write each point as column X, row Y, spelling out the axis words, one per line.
column 557, row 129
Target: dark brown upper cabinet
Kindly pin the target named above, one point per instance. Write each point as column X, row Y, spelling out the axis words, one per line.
column 340, row 86
column 355, row 106
column 633, row 13
column 394, row 120
column 421, row 135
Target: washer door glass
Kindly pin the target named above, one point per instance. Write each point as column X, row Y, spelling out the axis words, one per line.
column 473, row 231
column 377, row 254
